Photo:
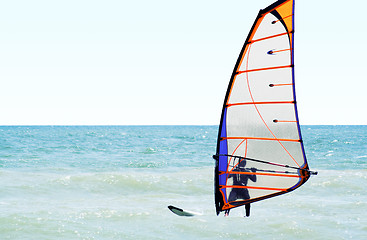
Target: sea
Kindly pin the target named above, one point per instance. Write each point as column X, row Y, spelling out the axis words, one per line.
column 115, row 182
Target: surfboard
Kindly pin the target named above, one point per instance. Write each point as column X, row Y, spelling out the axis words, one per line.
column 181, row 212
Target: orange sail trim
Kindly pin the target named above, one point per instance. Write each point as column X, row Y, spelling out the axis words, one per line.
column 280, row 84
column 252, row 187
column 263, row 174
column 283, row 121
column 259, row 103
column 259, row 138
column 265, row 38
column 276, row 51
column 286, row 11
column 263, row 69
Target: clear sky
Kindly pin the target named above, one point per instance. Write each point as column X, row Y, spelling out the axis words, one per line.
column 167, row 61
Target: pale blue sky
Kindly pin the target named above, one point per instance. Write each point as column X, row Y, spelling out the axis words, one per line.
column 167, row 61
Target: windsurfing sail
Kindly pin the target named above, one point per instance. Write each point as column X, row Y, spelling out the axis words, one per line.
column 260, row 152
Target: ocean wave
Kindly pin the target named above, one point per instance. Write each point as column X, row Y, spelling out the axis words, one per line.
column 188, row 181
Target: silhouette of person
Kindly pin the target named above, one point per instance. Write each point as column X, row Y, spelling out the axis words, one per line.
column 241, row 180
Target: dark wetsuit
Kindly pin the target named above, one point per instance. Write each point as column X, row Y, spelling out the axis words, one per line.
column 241, row 180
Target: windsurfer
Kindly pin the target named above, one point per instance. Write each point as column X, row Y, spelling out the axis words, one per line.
column 241, row 179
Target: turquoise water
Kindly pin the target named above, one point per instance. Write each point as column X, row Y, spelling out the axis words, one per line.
column 115, row 182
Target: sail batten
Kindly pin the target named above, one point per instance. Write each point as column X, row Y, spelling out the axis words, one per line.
column 264, row 69
column 265, row 174
column 259, row 138
column 259, row 134
column 259, row 103
column 265, row 38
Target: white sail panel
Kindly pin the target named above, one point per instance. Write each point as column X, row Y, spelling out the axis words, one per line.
column 288, row 152
column 272, row 52
column 260, row 121
column 258, row 85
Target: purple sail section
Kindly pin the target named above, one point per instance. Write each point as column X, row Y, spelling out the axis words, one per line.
column 223, row 159
column 223, row 150
column 222, row 167
column 223, row 145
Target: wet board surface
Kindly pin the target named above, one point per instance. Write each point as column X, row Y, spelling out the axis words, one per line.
column 181, row 212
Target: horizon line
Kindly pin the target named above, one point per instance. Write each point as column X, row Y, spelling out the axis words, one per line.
column 95, row 125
